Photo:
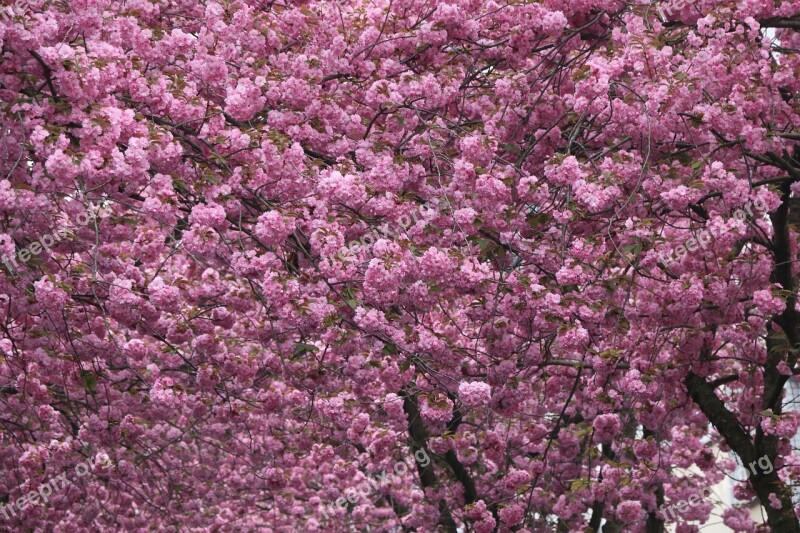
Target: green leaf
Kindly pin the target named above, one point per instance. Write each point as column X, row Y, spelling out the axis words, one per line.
column 389, row 349
column 300, row 348
column 579, row 484
column 89, row 381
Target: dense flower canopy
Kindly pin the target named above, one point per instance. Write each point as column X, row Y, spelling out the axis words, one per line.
column 259, row 253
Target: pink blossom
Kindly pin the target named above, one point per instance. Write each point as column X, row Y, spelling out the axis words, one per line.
column 774, row 501
column 212, row 215
column 474, row 393
column 244, row 100
column 511, row 515
column 629, row 511
column 273, row 228
column 606, row 427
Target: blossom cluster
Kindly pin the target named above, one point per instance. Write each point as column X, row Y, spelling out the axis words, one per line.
column 334, row 234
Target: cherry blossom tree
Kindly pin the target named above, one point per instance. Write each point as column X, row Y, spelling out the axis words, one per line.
column 258, row 253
